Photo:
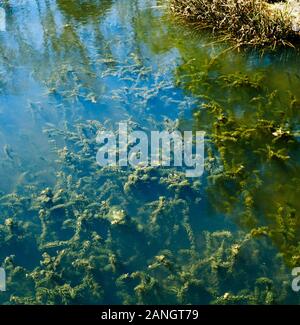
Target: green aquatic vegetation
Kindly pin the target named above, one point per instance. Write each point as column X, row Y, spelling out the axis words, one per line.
column 149, row 235
column 252, row 144
column 202, row 279
column 239, row 80
column 277, row 155
column 94, row 242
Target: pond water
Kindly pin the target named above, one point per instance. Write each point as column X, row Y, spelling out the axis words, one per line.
column 72, row 232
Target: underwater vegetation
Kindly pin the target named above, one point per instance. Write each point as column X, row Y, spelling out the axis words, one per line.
column 245, row 22
column 253, row 160
column 131, row 237
column 72, row 232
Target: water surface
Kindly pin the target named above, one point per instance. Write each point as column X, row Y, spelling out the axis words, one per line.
column 72, row 232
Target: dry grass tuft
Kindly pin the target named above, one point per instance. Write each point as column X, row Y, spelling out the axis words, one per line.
column 247, row 22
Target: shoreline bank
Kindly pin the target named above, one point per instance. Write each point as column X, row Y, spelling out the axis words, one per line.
column 245, row 22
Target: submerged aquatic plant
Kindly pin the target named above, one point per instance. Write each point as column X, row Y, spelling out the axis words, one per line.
column 253, row 157
column 89, row 240
column 96, row 235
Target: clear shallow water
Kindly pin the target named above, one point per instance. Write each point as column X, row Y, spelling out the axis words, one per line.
column 67, row 67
